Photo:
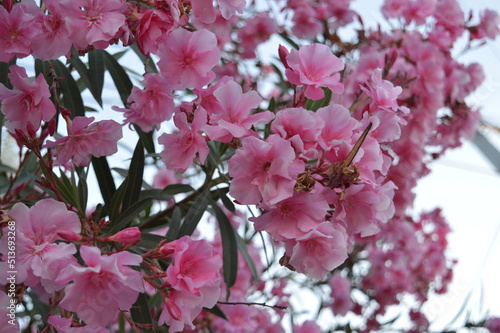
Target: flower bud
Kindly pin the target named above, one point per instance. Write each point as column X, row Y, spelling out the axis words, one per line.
column 68, row 235
column 129, row 235
column 283, row 53
column 174, row 310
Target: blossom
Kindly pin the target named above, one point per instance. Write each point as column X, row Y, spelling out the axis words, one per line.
column 264, row 171
column 150, row 106
column 103, row 288
column 155, row 24
column 182, row 147
column 341, row 294
column 320, row 250
column 38, row 257
column 257, row 30
column 194, row 280
column 308, row 326
column 93, row 22
column 231, row 118
column 85, row 139
column 489, row 27
column 315, row 66
column 63, row 325
column 28, row 103
column 16, row 31
column 187, row 58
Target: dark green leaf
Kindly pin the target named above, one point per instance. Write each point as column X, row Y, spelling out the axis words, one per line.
column 83, row 71
column 114, row 207
column 249, row 260
column 4, row 72
column 216, row 311
column 147, row 140
column 316, row 105
column 141, row 313
column 72, row 98
column 174, row 225
column 150, row 241
column 119, row 76
column 123, row 221
column 225, row 200
column 96, row 74
column 194, row 214
column 83, row 192
column 149, row 64
column 289, row 40
column 229, row 247
column 134, row 177
column 104, row 178
column 173, row 189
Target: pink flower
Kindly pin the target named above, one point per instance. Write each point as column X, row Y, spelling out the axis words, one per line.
column 228, row 8
column 103, row 288
column 306, row 23
column 194, row 279
column 315, row 66
column 16, row 31
column 319, row 251
column 257, row 29
column 183, row 147
column 489, row 27
column 293, row 217
column 85, row 139
column 93, row 22
column 303, row 134
column 339, row 125
column 63, row 325
column 307, row 327
column 29, row 102
column 154, row 25
column 264, row 171
column 187, row 58
column 151, row 105
column 493, row 324
column 52, row 39
column 165, row 177
column 38, row 257
column 232, row 119
column 195, row 266
column 341, row 294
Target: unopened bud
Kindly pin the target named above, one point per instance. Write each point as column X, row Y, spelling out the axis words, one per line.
column 129, row 235
column 7, row 4
column 168, row 249
column 52, row 126
column 68, row 235
column 31, row 130
column 174, row 310
column 65, row 112
column 283, row 53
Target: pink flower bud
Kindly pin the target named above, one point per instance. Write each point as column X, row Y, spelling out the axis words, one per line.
column 31, row 130
column 52, row 126
column 7, row 5
column 68, row 235
column 129, row 235
column 174, row 310
column 168, row 249
column 283, row 52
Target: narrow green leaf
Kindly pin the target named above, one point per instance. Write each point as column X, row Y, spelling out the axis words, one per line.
column 225, row 200
column 67, row 191
column 149, row 64
column 114, row 207
column 147, row 140
column 83, row 71
column 4, row 72
column 229, row 246
column 141, row 314
column 72, row 98
column 248, row 259
column 194, row 214
column 173, row 189
column 83, row 192
column 96, row 74
column 216, row 311
column 150, row 241
column 104, row 178
column 316, row 105
column 289, row 40
column 124, row 219
column 119, row 76
column 174, row 225
column 135, row 175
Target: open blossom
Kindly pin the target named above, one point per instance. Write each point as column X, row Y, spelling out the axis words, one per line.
column 187, row 58
column 103, row 288
column 319, row 251
column 16, row 31
column 39, row 258
column 182, row 147
column 315, row 66
column 85, row 139
column 257, row 30
column 154, row 24
column 63, row 325
column 264, row 171
column 194, row 278
column 29, row 102
column 151, row 105
column 93, row 22
column 231, row 117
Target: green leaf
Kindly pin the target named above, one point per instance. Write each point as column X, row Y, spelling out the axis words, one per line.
column 174, row 225
column 124, row 219
column 225, row 200
column 141, row 313
column 96, row 74
column 194, row 214
column 229, row 247
column 113, row 209
column 119, row 76
column 147, row 140
column 83, row 71
column 134, row 177
column 149, row 64
column 4, row 72
column 316, row 105
column 289, row 40
column 83, row 192
column 248, row 259
column 150, row 241
column 104, row 178
column 67, row 189
column 216, row 311
column 71, row 95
